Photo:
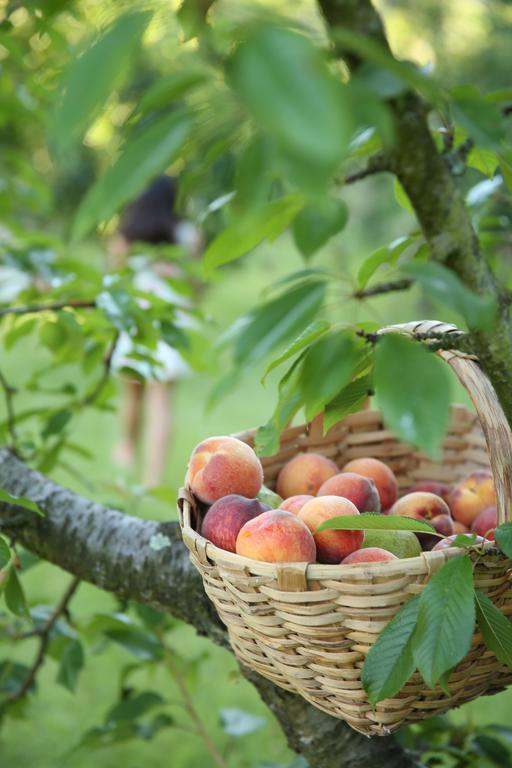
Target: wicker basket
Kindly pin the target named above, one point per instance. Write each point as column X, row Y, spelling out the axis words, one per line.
column 308, row 628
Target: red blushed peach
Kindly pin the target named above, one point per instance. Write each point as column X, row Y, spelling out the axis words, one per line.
column 276, row 537
column 459, row 527
column 431, row 486
column 369, row 555
column 304, row 474
column 225, row 518
column 429, row 507
column 471, row 496
column 295, row 503
column 223, row 465
column 382, row 476
column 447, row 543
column 331, row 546
column 485, row 523
column 360, row 490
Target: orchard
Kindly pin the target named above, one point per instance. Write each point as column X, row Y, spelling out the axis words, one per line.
column 255, row 502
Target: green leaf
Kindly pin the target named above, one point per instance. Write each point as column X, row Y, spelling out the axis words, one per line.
column 167, row 89
column 266, row 496
column 134, row 707
column 192, row 16
column 313, row 332
column 442, row 284
column 277, row 321
column 496, row 629
column 389, row 663
column 71, row 664
column 247, row 232
column 446, row 620
column 142, row 158
column 483, row 160
column 483, row 120
column 6, row 553
column 349, row 400
column 402, row 197
column 236, row 722
column 408, row 378
column 254, row 174
column 328, row 367
column 286, row 84
column 371, row 521
column 503, row 538
column 56, row 423
column 387, row 255
column 506, row 172
column 139, row 643
column 15, row 596
column 288, row 403
column 20, row 501
column 317, row 223
column 94, row 75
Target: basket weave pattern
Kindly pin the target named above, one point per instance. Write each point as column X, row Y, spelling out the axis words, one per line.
column 309, row 627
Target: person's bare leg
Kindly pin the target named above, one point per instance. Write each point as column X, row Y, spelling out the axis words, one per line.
column 158, row 431
column 131, row 418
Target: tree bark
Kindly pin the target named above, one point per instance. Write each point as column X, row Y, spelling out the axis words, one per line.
column 114, row 551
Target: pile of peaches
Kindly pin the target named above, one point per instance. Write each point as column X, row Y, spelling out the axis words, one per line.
column 225, row 474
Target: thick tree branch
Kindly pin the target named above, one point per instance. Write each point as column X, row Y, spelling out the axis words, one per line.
column 431, row 185
column 114, row 551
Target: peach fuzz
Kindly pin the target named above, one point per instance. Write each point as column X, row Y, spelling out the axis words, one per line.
column 485, row 523
column 225, row 518
column 295, row 503
column 276, row 537
column 448, row 542
column 471, row 496
column 369, row 555
column 383, row 477
column 331, row 546
column 304, row 474
column 223, row 465
column 420, row 505
column 360, row 490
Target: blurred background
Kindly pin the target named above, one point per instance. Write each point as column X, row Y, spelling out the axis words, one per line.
column 463, row 41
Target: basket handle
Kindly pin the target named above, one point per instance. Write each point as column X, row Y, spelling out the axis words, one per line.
column 496, row 429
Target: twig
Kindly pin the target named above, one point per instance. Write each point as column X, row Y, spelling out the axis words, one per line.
column 9, row 393
column 55, row 307
column 188, row 702
column 376, row 290
column 44, row 634
column 435, row 341
column 376, row 164
column 102, row 382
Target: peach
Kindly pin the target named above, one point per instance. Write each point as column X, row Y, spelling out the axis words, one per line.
column 369, row 555
column 276, row 537
column 448, row 542
column 471, row 496
column 429, row 507
column 459, row 527
column 383, row 477
column 331, row 546
column 431, row 486
column 360, row 490
column 224, row 465
column 295, row 503
column 304, row 474
column 225, row 518
column 485, row 523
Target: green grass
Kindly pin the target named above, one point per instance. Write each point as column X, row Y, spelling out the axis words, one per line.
column 55, row 719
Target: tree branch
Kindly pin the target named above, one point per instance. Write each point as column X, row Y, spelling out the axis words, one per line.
column 55, row 307
column 114, row 552
column 376, row 164
column 380, row 288
column 9, row 393
column 439, row 204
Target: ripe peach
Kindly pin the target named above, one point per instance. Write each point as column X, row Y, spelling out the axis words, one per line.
column 429, row 507
column 276, row 537
column 382, row 476
column 459, row 527
column 223, row 465
column 485, row 523
column 369, row 555
column 295, row 503
column 225, row 518
column 331, row 546
column 471, row 496
column 304, row 474
column 431, row 486
column 360, row 490
column 448, row 542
